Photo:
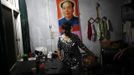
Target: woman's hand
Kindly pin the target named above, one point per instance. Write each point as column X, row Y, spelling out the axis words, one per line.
column 59, row 55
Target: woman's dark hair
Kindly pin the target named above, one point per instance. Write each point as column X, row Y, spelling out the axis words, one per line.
column 67, row 27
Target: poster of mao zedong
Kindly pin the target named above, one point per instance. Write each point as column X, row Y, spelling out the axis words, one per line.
column 67, row 11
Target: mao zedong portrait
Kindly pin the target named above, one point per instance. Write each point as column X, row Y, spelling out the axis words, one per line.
column 67, row 10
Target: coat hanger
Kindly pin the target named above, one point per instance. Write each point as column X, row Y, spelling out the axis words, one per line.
column 91, row 20
column 97, row 19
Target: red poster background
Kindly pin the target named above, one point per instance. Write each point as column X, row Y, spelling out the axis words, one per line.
column 76, row 29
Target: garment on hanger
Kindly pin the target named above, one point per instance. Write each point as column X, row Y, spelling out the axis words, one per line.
column 97, row 29
column 90, row 31
column 95, row 33
column 105, row 28
column 94, row 29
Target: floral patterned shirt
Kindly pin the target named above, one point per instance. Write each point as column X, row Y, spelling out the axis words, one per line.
column 70, row 48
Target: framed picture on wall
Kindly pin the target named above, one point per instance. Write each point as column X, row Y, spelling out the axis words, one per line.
column 68, row 11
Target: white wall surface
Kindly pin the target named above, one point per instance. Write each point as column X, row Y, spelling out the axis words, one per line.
column 39, row 15
column 42, row 13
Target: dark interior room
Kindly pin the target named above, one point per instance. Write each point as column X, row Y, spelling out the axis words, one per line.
column 67, row 37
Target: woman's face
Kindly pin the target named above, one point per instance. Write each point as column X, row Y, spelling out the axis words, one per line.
column 67, row 10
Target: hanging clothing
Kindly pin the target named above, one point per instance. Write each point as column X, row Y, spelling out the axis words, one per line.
column 100, row 29
column 97, row 30
column 109, row 28
column 89, row 31
column 105, row 28
column 95, row 33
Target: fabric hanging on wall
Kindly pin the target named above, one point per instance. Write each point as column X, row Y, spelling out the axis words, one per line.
column 105, row 28
column 97, row 29
column 100, row 29
column 94, row 34
column 89, row 32
column 24, row 26
column 109, row 28
column 97, row 26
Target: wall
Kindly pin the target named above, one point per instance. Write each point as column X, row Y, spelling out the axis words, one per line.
column 109, row 8
column 42, row 13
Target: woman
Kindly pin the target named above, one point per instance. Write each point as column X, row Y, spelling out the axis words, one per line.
column 68, row 48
